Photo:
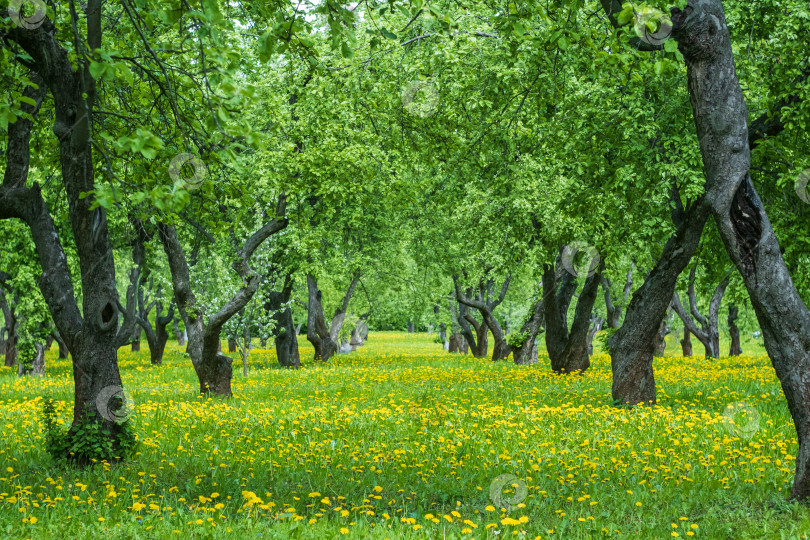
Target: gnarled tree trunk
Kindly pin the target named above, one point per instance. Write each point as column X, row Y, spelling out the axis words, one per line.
column 709, row 331
column 721, row 118
column 633, row 345
column 325, row 338
column 527, row 353
column 568, row 350
column 486, row 303
column 286, row 336
column 686, row 343
column 214, row 370
column 735, row 348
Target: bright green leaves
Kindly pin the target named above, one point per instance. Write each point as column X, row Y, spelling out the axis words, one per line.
column 142, row 141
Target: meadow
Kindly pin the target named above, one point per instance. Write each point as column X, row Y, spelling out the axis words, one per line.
column 403, row 440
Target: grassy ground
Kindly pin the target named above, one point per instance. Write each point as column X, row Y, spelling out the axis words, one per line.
column 401, row 440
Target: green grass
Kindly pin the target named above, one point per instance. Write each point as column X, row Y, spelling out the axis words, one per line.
column 402, row 429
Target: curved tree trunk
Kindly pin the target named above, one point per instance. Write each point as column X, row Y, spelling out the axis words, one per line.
column 568, row 350
column 486, row 304
column 632, row 346
column 286, row 337
column 721, row 119
column 686, row 343
column 709, row 331
column 12, row 324
column 214, row 370
column 735, row 349
column 92, row 333
column 325, row 338
column 527, row 352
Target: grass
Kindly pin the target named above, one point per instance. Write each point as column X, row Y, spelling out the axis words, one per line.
column 401, row 440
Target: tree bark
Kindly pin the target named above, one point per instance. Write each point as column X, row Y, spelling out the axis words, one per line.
column 686, row 343
column 721, row 119
column 92, row 334
column 231, row 344
column 181, row 336
column 325, row 338
column 12, row 324
column 632, row 345
column 527, row 353
column 735, row 349
column 286, row 338
column 486, row 304
column 214, row 370
column 568, row 350
column 708, row 333
column 411, row 329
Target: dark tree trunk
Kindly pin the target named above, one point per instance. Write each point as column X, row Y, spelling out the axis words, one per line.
column 231, row 344
column 721, row 119
column 214, row 370
column 632, row 346
column 411, row 329
column 709, row 331
column 443, row 332
column 92, row 334
column 136, row 344
column 660, row 343
column 686, row 343
column 486, row 303
column 325, row 338
column 527, row 352
column 735, row 348
column 12, row 324
column 286, row 338
column 37, row 366
column 453, row 343
column 568, row 350
column 596, row 326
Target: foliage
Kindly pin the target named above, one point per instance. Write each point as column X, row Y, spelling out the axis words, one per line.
column 89, row 443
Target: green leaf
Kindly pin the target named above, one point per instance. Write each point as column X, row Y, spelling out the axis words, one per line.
column 346, row 50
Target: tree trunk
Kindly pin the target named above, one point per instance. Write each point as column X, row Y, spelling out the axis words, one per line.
column 411, row 329
column 686, row 343
column 324, row 338
column 181, row 336
column 286, row 338
column 485, row 303
column 734, row 333
column 136, row 344
column 527, row 352
column 12, row 324
column 632, row 346
column 443, row 332
column 709, row 331
column 92, row 333
column 568, row 350
column 721, row 118
column 660, row 343
column 231, row 344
